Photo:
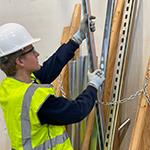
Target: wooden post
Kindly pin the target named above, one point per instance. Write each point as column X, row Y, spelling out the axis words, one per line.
column 75, row 23
column 141, row 120
column 57, row 81
column 74, row 26
column 67, row 34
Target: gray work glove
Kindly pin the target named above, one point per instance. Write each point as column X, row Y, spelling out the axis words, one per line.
column 80, row 35
column 96, row 78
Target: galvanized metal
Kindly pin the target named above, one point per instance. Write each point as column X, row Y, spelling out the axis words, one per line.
column 72, row 78
column 103, row 62
column 90, row 37
column 107, row 32
column 77, row 82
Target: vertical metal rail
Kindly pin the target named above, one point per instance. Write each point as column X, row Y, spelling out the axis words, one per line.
column 107, row 32
column 90, row 38
column 93, row 66
column 119, row 72
column 77, row 82
column 104, row 58
column 105, row 48
column 72, row 92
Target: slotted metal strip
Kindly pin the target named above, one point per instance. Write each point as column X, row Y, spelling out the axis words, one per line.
column 119, row 71
column 103, row 64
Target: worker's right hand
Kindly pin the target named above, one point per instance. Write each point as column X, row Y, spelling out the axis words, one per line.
column 80, row 35
column 96, row 78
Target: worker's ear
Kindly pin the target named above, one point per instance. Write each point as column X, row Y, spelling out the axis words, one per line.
column 19, row 62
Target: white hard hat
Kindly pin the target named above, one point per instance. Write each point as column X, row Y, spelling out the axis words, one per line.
column 14, row 37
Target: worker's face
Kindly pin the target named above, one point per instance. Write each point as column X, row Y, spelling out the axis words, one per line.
column 29, row 59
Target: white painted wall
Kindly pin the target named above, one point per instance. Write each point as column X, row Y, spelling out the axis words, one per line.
column 46, row 19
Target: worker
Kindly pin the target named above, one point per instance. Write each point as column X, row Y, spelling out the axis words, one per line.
column 34, row 116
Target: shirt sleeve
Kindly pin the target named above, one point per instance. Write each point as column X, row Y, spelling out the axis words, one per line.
column 61, row 111
column 52, row 67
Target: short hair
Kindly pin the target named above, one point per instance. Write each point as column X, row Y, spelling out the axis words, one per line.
column 8, row 63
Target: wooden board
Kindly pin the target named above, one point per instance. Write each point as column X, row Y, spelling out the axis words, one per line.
column 140, row 138
column 67, row 34
column 57, row 82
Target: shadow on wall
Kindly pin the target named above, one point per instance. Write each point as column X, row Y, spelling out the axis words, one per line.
column 4, row 140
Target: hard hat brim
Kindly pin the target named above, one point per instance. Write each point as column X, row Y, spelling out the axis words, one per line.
column 22, row 46
column 30, row 42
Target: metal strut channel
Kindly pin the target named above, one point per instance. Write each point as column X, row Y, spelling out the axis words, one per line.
column 103, row 61
column 92, row 53
column 119, row 71
column 107, row 32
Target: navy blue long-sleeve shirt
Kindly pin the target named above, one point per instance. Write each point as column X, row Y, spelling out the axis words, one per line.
column 59, row 110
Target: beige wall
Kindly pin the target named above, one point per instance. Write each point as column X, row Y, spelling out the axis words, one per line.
column 46, row 19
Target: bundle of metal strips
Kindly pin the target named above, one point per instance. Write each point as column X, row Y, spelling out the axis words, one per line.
column 105, row 48
column 77, row 82
column 119, row 71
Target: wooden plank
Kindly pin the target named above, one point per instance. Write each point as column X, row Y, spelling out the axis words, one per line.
column 114, row 39
column 64, row 75
column 67, row 34
column 75, row 23
column 57, row 81
column 74, row 26
column 141, row 129
column 145, row 139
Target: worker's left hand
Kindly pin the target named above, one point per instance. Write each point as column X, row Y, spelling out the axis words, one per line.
column 96, row 78
column 80, row 35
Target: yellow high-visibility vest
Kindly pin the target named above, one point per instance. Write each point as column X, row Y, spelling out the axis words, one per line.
column 20, row 103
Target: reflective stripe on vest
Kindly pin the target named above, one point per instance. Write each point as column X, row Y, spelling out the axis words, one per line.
column 25, row 123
